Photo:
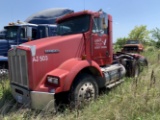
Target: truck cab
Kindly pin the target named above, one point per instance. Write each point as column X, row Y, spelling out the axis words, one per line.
column 133, row 46
column 21, row 32
column 17, row 34
column 77, row 62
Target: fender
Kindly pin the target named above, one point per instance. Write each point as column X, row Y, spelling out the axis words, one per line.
column 68, row 71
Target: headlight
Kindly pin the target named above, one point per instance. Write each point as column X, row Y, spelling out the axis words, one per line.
column 53, row 80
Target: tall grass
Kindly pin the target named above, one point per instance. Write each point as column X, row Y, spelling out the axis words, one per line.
column 135, row 99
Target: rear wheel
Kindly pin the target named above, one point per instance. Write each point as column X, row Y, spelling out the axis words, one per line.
column 135, row 69
column 84, row 90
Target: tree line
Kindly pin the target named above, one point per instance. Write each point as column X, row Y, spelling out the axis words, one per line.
column 146, row 37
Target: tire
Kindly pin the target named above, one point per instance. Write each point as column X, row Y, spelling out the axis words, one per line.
column 135, row 69
column 143, row 61
column 84, row 90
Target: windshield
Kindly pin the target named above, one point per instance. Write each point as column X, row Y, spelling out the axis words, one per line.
column 11, row 32
column 74, row 25
column 132, row 42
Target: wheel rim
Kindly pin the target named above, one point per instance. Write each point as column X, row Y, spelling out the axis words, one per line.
column 86, row 92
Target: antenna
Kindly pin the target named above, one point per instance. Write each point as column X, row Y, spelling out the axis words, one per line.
column 84, row 4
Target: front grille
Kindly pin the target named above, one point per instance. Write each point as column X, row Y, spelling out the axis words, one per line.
column 135, row 48
column 18, row 67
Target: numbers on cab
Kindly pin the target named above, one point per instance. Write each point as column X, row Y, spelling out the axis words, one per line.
column 42, row 58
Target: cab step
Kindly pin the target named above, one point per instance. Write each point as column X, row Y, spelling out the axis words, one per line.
column 114, row 84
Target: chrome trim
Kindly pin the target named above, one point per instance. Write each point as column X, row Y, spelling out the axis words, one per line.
column 18, row 67
column 34, row 99
column 32, row 48
column 42, row 100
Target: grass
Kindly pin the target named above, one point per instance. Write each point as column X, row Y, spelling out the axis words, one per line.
column 135, row 99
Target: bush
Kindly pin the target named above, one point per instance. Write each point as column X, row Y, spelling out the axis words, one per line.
column 150, row 49
column 158, row 44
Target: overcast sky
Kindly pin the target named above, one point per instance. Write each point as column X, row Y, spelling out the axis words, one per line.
column 126, row 13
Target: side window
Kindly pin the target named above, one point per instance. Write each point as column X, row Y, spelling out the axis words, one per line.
column 23, row 33
column 105, row 24
column 34, row 33
column 100, row 25
column 97, row 25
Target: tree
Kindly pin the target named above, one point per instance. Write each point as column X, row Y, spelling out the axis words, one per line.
column 121, row 41
column 139, row 33
column 156, row 34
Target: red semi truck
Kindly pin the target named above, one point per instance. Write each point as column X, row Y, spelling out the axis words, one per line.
column 73, row 65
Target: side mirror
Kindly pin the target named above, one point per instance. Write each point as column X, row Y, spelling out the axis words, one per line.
column 29, row 33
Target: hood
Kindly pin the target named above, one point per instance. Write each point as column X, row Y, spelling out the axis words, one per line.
column 52, row 41
column 52, row 52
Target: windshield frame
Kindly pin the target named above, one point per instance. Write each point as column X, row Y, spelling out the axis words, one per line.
column 74, row 25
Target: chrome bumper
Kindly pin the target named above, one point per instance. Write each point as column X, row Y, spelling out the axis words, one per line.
column 34, row 99
column 42, row 100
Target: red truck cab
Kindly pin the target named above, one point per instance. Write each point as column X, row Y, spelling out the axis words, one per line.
column 79, row 61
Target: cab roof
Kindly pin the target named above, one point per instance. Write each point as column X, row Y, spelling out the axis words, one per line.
column 84, row 12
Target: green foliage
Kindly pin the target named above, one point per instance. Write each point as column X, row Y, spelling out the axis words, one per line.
column 139, row 33
column 150, row 48
column 151, row 43
column 156, row 34
column 121, row 41
column 158, row 44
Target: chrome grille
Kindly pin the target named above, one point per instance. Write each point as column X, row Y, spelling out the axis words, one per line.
column 18, row 67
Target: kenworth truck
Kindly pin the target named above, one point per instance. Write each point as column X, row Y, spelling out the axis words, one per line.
column 38, row 25
column 72, row 66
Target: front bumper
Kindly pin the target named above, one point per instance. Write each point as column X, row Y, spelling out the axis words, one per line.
column 34, row 99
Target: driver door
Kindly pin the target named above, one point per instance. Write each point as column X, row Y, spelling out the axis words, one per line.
column 99, row 41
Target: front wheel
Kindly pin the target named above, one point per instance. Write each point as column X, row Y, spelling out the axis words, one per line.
column 84, row 90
